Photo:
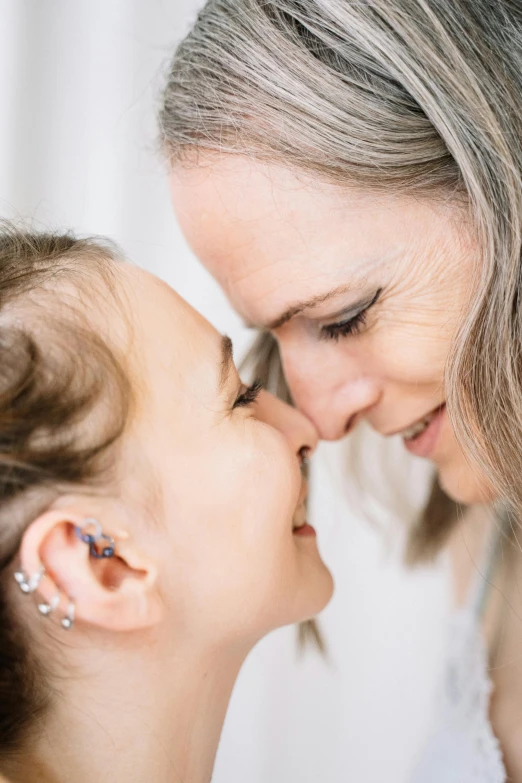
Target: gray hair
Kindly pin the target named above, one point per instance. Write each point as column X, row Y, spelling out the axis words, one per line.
column 407, row 96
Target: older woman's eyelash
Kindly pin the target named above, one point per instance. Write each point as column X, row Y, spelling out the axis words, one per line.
column 351, row 326
column 344, row 328
column 249, row 395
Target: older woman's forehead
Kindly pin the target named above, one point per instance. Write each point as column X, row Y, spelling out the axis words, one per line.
column 239, row 215
column 274, row 239
column 249, row 192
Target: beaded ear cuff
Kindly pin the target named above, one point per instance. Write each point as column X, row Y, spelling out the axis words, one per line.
column 90, row 533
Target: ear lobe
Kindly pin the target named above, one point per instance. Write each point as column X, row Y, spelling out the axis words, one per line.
column 117, row 593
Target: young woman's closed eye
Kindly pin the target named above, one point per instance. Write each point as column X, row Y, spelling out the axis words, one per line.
column 248, row 395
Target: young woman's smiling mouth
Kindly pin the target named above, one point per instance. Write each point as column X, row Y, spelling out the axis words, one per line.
column 301, row 527
column 300, row 524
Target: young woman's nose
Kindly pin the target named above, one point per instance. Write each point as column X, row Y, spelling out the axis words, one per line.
column 297, row 429
column 330, row 394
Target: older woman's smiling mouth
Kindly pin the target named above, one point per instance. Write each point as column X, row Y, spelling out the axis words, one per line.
column 421, row 436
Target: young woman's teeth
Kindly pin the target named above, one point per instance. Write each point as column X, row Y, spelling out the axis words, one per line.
column 416, row 429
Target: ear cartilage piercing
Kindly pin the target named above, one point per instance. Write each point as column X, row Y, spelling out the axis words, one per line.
column 29, row 585
column 47, row 609
column 68, row 620
column 91, row 539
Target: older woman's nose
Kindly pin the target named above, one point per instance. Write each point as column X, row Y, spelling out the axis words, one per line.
column 297, row 429
column 330, row 396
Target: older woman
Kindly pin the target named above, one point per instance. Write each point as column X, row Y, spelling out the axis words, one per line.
column 351, row 175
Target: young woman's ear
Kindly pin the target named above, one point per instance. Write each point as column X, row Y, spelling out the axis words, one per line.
column 117, row 593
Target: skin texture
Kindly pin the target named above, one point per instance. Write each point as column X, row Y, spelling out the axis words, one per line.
column 273, row 239
column 206, row 564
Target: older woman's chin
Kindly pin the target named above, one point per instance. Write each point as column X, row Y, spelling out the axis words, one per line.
column 465, row 484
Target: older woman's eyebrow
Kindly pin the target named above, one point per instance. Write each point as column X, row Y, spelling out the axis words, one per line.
column 227, row 361
column 299, row 307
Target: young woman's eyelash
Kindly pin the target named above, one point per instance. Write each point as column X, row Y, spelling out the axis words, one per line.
column 351, row 326
column 249, row 395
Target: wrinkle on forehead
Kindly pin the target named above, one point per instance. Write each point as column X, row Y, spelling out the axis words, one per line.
column 272, row 237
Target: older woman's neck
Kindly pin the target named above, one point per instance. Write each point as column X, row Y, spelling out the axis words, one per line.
column 136, row 718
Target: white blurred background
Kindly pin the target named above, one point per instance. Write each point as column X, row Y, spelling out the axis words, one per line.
column 79, row 87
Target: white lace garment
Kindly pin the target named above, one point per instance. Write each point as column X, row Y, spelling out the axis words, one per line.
column 462, row 747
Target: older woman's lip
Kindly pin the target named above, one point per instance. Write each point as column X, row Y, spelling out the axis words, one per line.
column 424, row 444
column 402, row 430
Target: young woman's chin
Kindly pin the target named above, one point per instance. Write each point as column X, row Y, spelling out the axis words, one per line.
column 267, row 596
column 315, row 587
column 317, row 590
column 296, row 601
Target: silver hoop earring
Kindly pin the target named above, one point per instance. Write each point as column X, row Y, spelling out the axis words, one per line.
column 29, row 585
column 47, row 609
column 68, row 620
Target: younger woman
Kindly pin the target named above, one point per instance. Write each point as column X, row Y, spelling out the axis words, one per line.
column 152, row 522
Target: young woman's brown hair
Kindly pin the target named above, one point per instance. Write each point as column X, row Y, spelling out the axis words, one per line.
column 54, row 372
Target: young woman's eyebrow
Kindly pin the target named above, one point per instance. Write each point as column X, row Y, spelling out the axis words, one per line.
column 226, row 362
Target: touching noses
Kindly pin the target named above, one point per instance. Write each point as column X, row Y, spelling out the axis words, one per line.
column 332, row 395
column 299, row 432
